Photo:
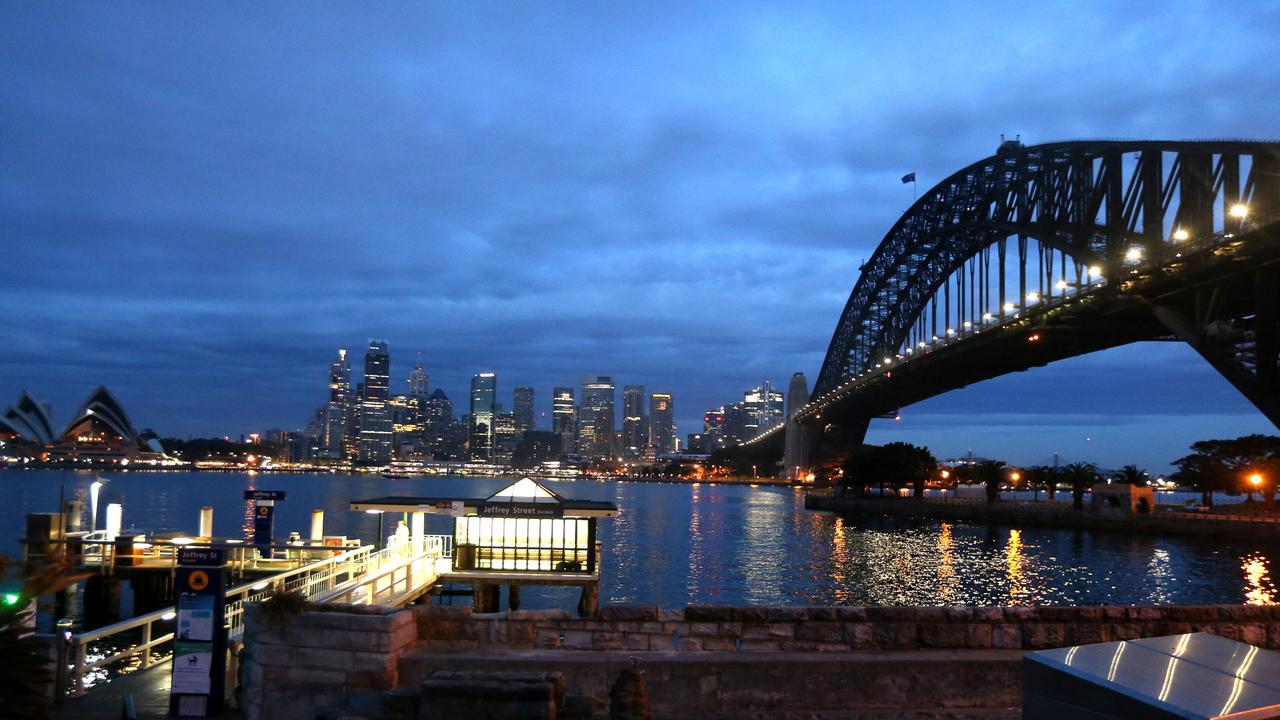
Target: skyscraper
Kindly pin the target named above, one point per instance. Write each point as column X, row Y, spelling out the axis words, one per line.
column 484, row 392
column 336, row 413
column 564, row 416
column 522, row 409
column 763, row 407
column 375, row 415
column 662, row 423
column 633, row 439
column 418, row 379
column 596, row 417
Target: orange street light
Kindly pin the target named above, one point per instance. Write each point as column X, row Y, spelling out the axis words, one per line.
column 946, row 474
column 1255, row 479
column 1015, row 476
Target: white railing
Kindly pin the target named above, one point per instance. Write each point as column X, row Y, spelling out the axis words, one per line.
column 311, row 580
column 396, row 574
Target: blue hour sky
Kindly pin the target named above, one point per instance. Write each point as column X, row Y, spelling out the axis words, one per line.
column 200, row 202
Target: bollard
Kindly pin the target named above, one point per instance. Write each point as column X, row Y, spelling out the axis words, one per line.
column 317, row 526
column 206, row 522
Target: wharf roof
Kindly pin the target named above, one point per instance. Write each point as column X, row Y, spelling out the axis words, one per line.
column 522, row 492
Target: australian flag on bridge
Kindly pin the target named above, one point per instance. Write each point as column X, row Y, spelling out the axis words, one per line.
column 909, row 178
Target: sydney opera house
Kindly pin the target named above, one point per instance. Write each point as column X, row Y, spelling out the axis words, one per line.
column 99, row 433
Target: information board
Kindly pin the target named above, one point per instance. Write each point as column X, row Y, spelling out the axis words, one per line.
column 198, row 676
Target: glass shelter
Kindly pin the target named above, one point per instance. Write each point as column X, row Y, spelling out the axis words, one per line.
column 524, row 528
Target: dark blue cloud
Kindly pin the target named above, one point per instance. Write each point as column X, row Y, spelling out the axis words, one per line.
column 199, row 203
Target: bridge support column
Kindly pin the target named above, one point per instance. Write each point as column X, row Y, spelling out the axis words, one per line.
column 801, row 439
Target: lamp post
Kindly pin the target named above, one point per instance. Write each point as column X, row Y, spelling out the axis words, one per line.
column 1255, row 483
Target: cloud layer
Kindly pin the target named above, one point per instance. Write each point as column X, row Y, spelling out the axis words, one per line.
column 200, row 203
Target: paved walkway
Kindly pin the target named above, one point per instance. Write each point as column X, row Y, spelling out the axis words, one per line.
column 150, row 691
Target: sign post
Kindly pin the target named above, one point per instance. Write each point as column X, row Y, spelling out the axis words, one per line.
column 200, row 638
column 264, row 518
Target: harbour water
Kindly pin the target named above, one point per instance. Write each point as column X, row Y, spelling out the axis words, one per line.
column 676, row 544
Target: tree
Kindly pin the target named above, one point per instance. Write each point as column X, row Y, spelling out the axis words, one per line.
column 1043, row 476
column 905, row 464
column 991, row 473
column 1225, row 465
column 1131, row 475
column 1081, row 476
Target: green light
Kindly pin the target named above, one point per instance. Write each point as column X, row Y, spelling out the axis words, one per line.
column 11, row 598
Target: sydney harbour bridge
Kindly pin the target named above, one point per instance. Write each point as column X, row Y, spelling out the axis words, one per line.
column 1045, row 252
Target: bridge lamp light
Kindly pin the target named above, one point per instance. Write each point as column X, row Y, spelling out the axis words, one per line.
column 1240, row 211
column 1133, row 254
column 1033, row 297
column 1181, row 234
column 1061, row 284
column 935, row 338
column 951, row 331
column 1008, row 307
column 986, row 317
column 923, row 344
column 967, row 324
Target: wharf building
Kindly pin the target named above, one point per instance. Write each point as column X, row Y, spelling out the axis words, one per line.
column 375, row 412
column 596, row 417
column 484, row 391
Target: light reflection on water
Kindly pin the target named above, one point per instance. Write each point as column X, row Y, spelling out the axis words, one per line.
column 678, row 544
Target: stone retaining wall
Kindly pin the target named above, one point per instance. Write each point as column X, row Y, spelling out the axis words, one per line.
column 702, row 659
column 834, row 629
column 345, row 655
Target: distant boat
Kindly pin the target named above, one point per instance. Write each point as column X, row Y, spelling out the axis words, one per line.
column 394, row 475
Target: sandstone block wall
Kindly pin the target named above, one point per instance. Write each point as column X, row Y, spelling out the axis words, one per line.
column 834, row 629
column 346, row 656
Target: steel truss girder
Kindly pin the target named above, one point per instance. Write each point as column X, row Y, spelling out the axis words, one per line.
column 1072, row 197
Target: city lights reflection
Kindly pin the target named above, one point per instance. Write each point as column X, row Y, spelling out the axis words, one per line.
column 1259, row 588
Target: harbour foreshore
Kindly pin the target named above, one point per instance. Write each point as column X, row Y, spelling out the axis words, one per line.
column 1044, row 514
column 699, row 661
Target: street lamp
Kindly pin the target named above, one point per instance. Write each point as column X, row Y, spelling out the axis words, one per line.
column 1181, row 234
column 1240, row 211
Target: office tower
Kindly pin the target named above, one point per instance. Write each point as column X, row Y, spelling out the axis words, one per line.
column 522, row 409
column 418, row 379
column 437, row 417
column 763, row 406
column 336, row 415
column 596, row 417
column 484, row 392
column 662, row 423
column 713, row 428
column 633, row 440
column 505, row 437
column 375, row 415
column 564, row 416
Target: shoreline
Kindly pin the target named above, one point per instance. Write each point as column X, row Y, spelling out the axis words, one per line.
column 1020, row 513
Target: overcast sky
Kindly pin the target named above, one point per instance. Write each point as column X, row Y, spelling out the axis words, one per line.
column 200, row 202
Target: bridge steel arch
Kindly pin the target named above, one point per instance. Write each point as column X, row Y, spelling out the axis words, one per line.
column 1090, row 200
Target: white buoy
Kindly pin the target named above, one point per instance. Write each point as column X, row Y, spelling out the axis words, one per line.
column 317, row 525
column 206, row 522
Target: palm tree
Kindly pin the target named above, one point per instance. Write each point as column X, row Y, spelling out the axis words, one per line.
column 1081, row 476
column 1131, row 475
column 991, row 472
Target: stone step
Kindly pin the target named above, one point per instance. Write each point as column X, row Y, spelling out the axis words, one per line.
column 923, row 684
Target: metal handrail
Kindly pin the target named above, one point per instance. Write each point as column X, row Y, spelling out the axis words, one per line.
column 310, row 579
column 387, row 563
